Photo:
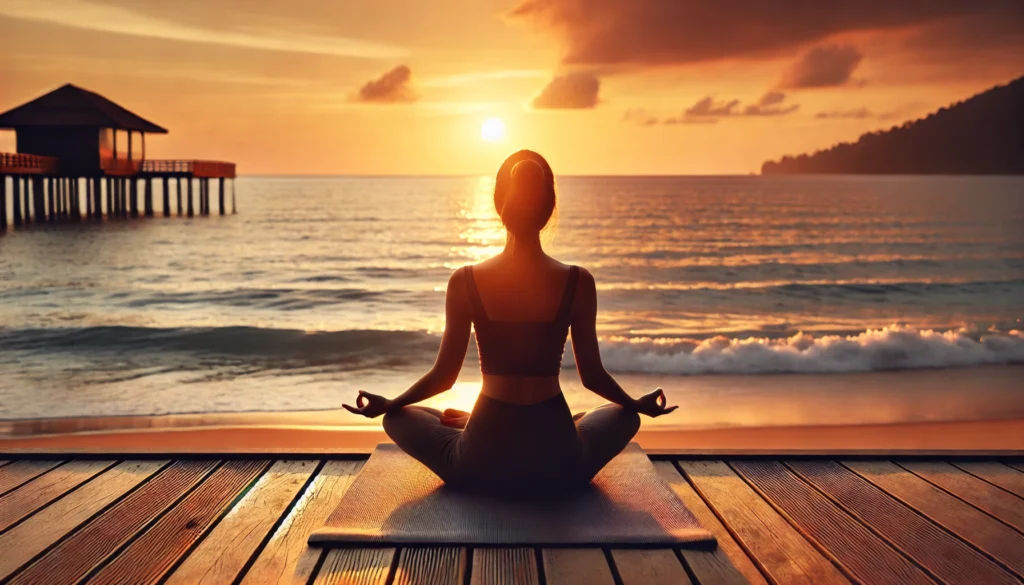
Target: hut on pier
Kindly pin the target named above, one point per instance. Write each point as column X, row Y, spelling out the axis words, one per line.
column 71, row 135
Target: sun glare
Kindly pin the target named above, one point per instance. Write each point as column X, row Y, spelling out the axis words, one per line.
column 493, row 130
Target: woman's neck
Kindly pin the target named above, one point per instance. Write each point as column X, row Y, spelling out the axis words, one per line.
column 524, row 246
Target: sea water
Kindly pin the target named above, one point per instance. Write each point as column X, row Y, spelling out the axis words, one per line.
column 319, row 286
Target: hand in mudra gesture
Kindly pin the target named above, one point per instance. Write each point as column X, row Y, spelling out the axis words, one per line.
column 369, row 405
column 653, row 404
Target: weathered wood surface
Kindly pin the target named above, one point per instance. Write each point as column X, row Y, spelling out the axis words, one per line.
column 996, row 473
column 94, row 543
column 767, row 537
column 861, row 554
column 149, row 557
column 979, row 493
column 23, row 501
column 222, row 555
column 356, row 566
column 287, row 558
column 19, row 472
column 937, row 551
column 727, row 564
column 650, row 566
column 504, row 566
column 440, row 565
column 26, row 540
column 998, row 540
column 576, row 566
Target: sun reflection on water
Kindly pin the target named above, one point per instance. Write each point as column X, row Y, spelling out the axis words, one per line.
column 483, row 235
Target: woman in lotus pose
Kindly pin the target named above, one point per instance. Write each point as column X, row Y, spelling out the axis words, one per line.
column 520, row 438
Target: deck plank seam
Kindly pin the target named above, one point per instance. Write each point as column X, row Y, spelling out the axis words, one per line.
column 538, row 559
column 725, row 523
column 277, row 524
column 914, row 509
column 317, row 566
column 877, row 532
column 686, row 566
column 971, row 504
column 60, row 497
column 85, row 522
column 47, row 470
column 142, row 530
column 227, row 510
column 820, row 547
column 968, row 472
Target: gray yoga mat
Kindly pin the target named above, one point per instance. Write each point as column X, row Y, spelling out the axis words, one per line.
column 396, row 500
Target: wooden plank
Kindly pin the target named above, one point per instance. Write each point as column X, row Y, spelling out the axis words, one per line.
column 91, row 545
column 996, row 473
column 1003, row 505
column 727, row 564
column 151, row 555
column 33, row 536
column 776, row 546
column 576, row 566
column 435, row 565
column 19, row 472
column 287, row 558
column 653, row 566
column 937, row 551
column 504, row 566
column 22, row 502
column 222, row 555
column 356, row 566
column 1000, row 541
column 864, row 556
column 4, row 462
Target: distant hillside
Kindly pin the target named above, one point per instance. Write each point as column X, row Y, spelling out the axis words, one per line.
column 983, row 135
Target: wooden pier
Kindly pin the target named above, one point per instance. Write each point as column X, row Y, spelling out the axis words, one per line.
column 69, row 166
column 244, row 518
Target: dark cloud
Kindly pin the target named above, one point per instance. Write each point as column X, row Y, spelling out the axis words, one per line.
column 573, row 91
column 708, row 110
column 859, row 113
column 391, row 88
column 660, row 32
column 824, row 66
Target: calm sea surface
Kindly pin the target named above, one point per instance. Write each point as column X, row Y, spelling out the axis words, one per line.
column 319, row 286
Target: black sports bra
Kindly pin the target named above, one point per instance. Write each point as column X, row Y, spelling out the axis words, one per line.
column 521, row 348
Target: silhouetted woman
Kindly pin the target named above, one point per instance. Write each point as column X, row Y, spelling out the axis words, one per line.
column 521, row 438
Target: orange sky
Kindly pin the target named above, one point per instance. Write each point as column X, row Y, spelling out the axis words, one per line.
column 282, row 87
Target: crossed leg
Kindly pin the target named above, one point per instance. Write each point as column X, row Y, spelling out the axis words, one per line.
column 604, row 432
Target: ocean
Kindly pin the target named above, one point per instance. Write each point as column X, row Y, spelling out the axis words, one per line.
column 764, row 291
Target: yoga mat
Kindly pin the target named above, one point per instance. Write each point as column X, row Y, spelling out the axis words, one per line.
column 396, row 500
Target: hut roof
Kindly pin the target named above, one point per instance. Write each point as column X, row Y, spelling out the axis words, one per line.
column 70, row 105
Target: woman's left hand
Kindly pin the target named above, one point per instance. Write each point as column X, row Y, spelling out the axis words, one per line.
column 369, row 405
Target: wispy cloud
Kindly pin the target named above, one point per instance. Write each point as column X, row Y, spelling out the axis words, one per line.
column 460, row 79
column 88, row 15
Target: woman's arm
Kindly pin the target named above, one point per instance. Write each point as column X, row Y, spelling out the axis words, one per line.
column 450, row 356
column 588, row 356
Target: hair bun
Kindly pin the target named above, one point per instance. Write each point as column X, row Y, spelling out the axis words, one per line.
column 527, row 173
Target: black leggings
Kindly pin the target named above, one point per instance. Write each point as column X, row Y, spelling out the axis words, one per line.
column 512, row 449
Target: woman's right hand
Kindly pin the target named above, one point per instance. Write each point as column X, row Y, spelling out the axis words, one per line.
column 653, row 404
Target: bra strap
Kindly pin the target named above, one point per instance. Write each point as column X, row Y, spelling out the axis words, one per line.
column 569, row 295
column 474, row 296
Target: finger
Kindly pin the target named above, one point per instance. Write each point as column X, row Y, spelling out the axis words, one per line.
column 361, row 399
column 351, row 409
column 671, row 408
column 660, row 398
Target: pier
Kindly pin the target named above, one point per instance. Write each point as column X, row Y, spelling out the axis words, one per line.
column 70, row 166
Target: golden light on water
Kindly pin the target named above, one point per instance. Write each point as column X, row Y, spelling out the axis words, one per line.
column 492, row 130
column 462, row 396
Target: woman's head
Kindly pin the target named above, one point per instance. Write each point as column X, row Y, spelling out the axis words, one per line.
column 524, row 193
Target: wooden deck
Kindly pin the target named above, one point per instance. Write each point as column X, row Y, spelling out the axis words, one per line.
column 810, row 520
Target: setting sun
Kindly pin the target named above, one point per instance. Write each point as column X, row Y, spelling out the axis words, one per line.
column 492, row 130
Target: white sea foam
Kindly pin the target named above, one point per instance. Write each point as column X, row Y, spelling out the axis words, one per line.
column 890, row 348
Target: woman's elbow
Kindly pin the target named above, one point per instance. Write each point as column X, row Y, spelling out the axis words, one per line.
column 592, row 379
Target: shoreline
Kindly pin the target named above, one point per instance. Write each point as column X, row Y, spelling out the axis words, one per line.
column 987, row 435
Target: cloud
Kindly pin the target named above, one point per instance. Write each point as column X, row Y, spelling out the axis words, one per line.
column 89, row 15
column 672, row 32
column 391, row 88
column 572, row 91
column 823, row 66
column 708, row 110
column 859, row 113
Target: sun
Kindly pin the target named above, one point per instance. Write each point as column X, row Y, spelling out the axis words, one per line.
column 492, row 130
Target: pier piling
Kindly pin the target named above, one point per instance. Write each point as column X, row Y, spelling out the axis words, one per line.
column 25, row 202
column 190, row 211
column 149, row 197
column 179, row 197
column 16, row 201
column 3, row 202
column 220, row 185
column 167, row 198
column 133, row 194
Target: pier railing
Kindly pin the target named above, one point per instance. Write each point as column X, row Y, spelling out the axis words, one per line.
column 26, row 164
column 120, row 166
column 194, row 168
